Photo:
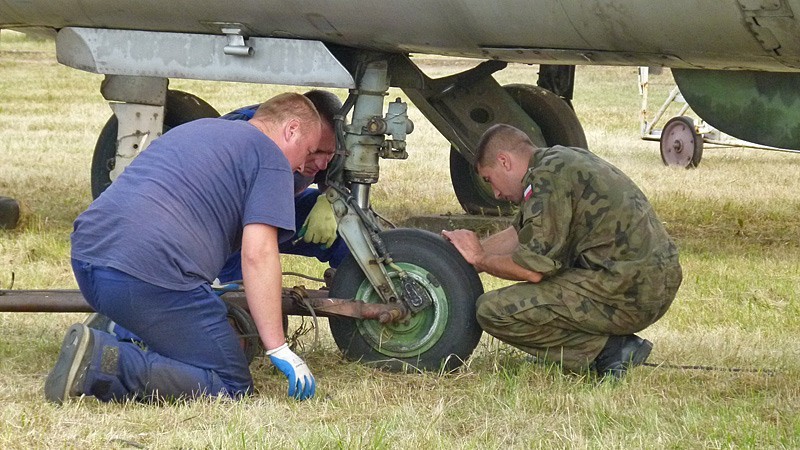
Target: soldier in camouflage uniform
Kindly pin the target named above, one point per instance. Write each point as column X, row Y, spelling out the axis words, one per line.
column 595, row 262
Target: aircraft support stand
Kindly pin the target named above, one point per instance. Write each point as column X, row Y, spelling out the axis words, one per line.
column 138, row 104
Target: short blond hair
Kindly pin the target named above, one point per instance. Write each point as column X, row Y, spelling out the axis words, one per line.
column 501, row 137
column 286, row 106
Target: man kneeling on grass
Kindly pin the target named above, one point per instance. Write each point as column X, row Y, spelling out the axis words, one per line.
column 595, row 262
column 146, row 250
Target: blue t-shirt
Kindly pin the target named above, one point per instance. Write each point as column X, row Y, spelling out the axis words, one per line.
column 177, row 212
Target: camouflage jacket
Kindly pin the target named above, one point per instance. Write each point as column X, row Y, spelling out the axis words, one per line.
column 586, row 226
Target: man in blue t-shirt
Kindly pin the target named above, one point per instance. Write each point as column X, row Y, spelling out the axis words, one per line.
column 311, row 207
column 145, row 252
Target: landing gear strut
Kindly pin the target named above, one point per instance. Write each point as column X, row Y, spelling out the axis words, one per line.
column 418, row 271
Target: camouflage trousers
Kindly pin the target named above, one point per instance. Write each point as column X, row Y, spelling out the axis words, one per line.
column 559, row 325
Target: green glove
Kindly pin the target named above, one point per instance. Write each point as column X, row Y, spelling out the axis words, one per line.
column 320, row 225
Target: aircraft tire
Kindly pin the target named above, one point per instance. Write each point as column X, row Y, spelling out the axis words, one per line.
column 9, row 213
column 181, row 107
column 438, row 338
column 559, row 125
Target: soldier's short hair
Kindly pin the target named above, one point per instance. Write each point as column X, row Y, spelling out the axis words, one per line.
column 501, row 137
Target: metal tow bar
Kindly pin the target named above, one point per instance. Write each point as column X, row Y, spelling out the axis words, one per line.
column 296, row 301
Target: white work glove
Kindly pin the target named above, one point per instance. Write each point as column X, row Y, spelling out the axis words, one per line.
column 301, row 383
column 320, row 225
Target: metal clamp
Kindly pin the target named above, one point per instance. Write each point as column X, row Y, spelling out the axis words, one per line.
column 236, row 45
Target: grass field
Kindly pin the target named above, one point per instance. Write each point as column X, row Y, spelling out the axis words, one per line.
column 736, row 219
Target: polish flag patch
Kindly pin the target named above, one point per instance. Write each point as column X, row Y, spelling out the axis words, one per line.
column 528, row 192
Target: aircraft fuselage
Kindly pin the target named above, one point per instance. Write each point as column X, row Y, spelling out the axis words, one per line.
column 718, row 34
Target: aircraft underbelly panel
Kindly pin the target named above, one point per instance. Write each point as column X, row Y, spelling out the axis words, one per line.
column 181, row 55
column 719, row 34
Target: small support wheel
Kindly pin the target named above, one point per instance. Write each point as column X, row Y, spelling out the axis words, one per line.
column 680, row 144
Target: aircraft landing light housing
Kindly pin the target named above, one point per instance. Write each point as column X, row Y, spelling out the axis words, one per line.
column 201, row 57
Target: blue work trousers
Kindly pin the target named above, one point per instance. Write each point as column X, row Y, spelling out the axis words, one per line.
column 192, row 349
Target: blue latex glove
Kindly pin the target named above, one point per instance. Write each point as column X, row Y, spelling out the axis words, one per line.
column 301, row 383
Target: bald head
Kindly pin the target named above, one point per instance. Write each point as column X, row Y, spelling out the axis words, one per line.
column 283, row 107
column 292, row 122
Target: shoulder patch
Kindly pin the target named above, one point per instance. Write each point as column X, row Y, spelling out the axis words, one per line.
column 528, row 192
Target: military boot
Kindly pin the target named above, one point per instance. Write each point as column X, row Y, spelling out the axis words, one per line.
column 620, row 354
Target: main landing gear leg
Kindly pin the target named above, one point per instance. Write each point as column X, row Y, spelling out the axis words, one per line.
column 425, row 276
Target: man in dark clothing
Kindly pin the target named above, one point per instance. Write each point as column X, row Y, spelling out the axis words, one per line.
column 594, row 261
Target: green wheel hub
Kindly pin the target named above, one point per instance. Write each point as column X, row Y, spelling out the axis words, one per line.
column 417, row 333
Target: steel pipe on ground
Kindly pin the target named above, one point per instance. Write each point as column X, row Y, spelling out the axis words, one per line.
column 296, row 302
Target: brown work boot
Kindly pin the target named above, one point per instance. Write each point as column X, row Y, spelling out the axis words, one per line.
column 620, row 354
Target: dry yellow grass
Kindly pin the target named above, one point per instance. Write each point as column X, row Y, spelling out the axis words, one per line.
column 736, row 219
